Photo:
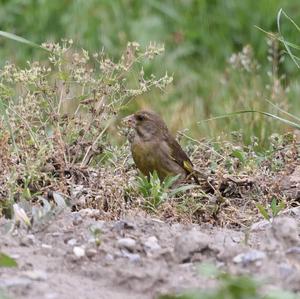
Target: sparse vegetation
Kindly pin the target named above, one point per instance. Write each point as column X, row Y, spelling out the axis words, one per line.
column 62, row 146
column 7, row 261
column 156, row 192
column 55, row 116
column 200, row 39
column 272, row 211
column 234, row 287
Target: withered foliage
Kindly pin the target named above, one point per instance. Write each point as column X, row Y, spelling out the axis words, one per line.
column 55, row 116
column 56, row 121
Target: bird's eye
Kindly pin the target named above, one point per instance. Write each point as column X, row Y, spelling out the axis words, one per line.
column 140, row 117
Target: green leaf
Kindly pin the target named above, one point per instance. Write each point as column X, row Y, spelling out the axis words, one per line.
column 169, row 181
column 263, row 211
column 287, row 47
column 283, row 111
column 281, row 206
column 286, row 121
column 274, row 207
column 239, row 154
column 20, row 39
column 7, row 261
column 181, row 189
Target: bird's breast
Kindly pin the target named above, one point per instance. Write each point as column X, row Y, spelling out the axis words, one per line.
column 144, row 156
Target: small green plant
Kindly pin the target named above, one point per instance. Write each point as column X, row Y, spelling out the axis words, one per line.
column 272, row 211
column 7, row 261
column 231, row 287
column 156, row 191
column 96, row 232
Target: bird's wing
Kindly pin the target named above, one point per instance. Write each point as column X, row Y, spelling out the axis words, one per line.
column 178, row 155
column 182, row 159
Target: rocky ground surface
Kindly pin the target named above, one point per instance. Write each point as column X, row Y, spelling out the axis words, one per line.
column 76, row 256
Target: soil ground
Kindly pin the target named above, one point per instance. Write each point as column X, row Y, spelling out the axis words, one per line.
column 76, row 256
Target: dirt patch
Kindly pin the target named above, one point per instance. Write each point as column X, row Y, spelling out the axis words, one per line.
column 142, row 257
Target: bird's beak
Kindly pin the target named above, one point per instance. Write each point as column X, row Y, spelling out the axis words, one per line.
column 129, row 121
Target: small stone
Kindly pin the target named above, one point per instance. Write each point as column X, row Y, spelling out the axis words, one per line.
column 122, row 224
column 285, row 270
column 14, row 282
column 260, row 226
column 293, row 282
column 46, row 246
column 294, row 250
column 91, row 252
column 37, row 275
column 51, row 296
column 27, row 240
column 151, row 244
column 90, row 212
column 285, row 230
column 133, row 257
column 79, row 251
column 127, row 243
column 249, row 257
column 189, row 243
column 72, row 242
column 77, row 219
column 109, row 257
column 56, row 234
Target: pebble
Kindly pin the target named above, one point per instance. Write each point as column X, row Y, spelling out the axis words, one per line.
column 27, row 240
column 37, row 275
column 133, row 257
column 46, row 246
column 109, row 257
column 56, row 234
column 51, row 296
column 151, row 244
column 122, row 224
column 285, row 270
column 249, row 257
column 285, row 229
column 127, row 243
column 260, row 226
column 14, row 282
column 188, row 243
column 293, row 250
column 72, row 242
column 91, row 252
column 77, row 219
column 79, row 251
column 90, row 212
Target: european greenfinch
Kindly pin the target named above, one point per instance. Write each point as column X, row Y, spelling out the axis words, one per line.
column 155, row 149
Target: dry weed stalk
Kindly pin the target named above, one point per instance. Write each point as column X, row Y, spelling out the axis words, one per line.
column 55, row 115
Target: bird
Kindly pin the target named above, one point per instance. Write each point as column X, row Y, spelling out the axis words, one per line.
column 154, row 148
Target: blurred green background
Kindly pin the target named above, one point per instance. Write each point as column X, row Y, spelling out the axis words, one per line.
column 199, row 36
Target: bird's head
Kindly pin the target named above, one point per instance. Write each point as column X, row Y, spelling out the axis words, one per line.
column 147, row 124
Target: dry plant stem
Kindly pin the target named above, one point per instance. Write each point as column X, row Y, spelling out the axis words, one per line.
column 201, row 144
column 90, row 148
column 60, row 100
column 27, row 126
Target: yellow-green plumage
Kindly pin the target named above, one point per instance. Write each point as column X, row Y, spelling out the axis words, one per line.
column 155, row 149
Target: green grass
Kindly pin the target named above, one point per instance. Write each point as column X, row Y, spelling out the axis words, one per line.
column 156, row 192
column 199, row 38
